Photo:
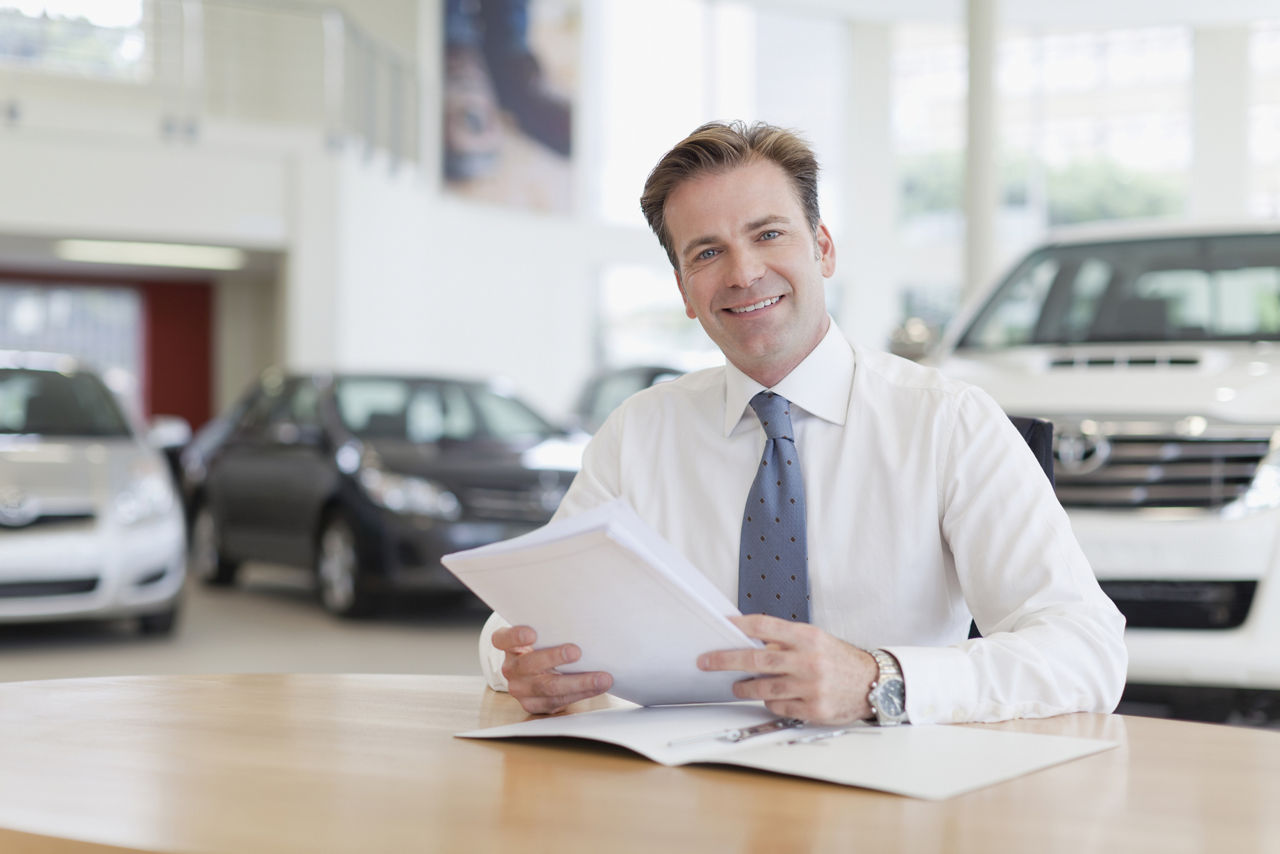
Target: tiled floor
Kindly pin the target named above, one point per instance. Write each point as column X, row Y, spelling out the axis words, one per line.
column 269, row 623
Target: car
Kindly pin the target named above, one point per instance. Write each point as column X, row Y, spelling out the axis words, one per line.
column 604, row 390
column 90, row 523
column 368, row 479
column 1155, row 351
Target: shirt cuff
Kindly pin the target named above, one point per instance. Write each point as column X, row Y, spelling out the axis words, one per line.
column 491, row 658
column 940, row 684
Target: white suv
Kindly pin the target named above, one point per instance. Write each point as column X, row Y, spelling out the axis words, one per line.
column 1155, row 351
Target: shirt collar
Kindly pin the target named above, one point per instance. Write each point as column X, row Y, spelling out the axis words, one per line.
column 820, row 385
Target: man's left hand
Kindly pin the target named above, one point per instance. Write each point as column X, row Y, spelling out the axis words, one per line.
column 805, row 672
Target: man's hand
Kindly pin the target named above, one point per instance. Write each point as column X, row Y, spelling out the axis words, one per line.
column 806, row 673
column 531, row 675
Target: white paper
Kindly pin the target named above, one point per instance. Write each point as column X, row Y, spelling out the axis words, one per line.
column 931, row 762
column 607, row 582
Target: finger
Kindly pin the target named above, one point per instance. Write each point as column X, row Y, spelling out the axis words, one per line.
column 537, row 661
column 551, row 692
column 514, row 637
column 768, row 688
column 749, row 660
column 773, row 629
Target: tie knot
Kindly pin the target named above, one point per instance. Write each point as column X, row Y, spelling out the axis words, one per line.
column 774, row 412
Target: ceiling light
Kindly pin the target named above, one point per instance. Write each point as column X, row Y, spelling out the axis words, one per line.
column 150, row 254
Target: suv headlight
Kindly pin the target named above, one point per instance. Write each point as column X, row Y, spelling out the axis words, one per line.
column 1264, row 491
column 413, row 495
column 148, row 494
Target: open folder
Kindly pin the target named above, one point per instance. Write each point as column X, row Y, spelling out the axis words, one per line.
column 930, row 762
column 604, row 580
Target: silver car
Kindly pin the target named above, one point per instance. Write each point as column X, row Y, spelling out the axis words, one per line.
column 90, row 525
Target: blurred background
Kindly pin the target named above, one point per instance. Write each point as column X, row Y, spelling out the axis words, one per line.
column 247, row 215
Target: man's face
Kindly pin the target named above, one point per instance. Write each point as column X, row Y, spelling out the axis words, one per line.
column 749, row 268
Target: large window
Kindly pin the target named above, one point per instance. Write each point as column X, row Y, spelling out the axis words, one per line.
column 1094, row 125
column 93, row 38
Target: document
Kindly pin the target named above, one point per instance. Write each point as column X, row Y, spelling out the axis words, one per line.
column 604, row 580
column 930, row 762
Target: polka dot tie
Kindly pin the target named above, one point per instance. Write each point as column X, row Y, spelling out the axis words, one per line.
column 773, row 572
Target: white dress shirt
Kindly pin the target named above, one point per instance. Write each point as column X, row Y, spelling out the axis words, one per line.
column 924, row 506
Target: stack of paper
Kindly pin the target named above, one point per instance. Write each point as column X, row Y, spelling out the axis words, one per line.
column 607, row 582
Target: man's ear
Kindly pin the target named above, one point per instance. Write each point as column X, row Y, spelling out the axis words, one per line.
column 825, row 250
column 688, row 309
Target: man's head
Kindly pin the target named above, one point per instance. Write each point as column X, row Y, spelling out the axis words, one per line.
column 739, row 220
column 719, row 147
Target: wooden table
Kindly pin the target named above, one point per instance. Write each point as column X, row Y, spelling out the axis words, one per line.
column 315, row 763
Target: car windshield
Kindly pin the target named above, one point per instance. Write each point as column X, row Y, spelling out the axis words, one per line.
column 430, row 410
column 55, row 404
column 1171, row 289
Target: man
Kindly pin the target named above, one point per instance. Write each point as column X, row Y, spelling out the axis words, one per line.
column 915, row 505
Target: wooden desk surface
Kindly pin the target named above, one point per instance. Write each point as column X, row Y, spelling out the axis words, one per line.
column 316, row 763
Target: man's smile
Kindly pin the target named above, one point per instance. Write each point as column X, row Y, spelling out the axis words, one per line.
column 764, row 303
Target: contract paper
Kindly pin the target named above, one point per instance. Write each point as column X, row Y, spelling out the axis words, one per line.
column 607, row 582
column 929, row 762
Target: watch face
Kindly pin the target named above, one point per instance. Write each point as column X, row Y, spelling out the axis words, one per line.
column 890, row 699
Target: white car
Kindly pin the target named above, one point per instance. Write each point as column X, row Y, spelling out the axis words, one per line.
column 1155, row 351
column 90, row 524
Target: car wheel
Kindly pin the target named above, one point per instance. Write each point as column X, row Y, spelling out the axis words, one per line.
column 338, row 570
column 161, row 623
column 205, row 559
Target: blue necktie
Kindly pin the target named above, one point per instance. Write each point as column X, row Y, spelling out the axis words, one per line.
column 773, row 572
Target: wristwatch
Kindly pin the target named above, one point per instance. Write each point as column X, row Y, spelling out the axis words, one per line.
column 888, row 696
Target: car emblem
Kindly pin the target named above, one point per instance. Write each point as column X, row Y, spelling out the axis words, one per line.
column 17, row 509
column 1080, row 453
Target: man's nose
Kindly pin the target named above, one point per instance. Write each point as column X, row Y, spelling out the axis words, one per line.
column 745, row 269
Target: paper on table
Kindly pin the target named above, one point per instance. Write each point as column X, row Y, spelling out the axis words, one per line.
column 932, row 762
column 607, row 582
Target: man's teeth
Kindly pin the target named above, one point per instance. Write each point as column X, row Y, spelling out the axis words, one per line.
column 762, row 304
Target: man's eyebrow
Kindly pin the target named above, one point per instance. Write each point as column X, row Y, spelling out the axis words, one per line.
column 771, row 219
column 754, row 225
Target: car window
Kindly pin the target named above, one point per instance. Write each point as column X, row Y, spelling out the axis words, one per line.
column 405, row 409
column 302, row 404
column 507, row 418
column 1010, row 320
column 55, row 404
column 1186, row 289
column 259, row 412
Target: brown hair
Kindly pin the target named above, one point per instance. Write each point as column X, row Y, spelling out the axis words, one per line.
column 718, row 147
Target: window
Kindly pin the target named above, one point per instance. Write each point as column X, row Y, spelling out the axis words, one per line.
column 508, row 419
column 1221, row 288
column 94, row 38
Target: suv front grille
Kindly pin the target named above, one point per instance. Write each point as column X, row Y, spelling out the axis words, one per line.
column 1136, row 471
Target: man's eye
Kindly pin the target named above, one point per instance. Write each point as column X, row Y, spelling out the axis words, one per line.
column 770, row 235
column 705, row 254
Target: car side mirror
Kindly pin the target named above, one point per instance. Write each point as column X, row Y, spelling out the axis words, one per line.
column 169, row 431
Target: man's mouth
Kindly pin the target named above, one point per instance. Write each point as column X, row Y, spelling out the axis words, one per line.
column 764, row 303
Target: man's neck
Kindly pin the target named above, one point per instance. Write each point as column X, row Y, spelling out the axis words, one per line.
column 769, row 375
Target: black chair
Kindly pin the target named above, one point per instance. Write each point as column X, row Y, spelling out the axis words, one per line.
column 1038, row 434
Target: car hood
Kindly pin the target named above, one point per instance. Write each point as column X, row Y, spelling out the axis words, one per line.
column 70, row 475
column 452, row 462
column 1230, row 382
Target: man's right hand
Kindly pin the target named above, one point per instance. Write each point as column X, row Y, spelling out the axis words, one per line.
column 531, row 673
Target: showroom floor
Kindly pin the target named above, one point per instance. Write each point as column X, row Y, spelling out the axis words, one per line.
column 269, row 623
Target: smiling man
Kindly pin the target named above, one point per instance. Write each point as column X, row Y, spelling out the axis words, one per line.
column 859, row 508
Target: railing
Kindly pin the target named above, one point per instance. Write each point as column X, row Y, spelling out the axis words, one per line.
column 189, row 63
